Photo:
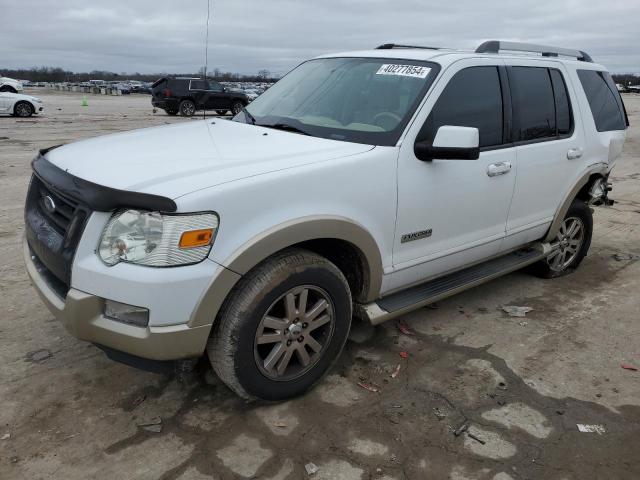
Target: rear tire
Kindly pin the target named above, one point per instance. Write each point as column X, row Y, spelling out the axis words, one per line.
column 23, row 109
column 265, row 326
column 573, row 242
column 187, row 108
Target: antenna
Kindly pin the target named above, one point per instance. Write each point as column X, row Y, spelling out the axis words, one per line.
column 206, row 54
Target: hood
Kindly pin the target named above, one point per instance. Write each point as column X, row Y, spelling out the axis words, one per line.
column 174, row 160
column 12, row 82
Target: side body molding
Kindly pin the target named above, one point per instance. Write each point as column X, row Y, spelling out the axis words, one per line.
column 279, row 237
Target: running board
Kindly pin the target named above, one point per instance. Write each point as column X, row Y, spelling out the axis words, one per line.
column 423, row 294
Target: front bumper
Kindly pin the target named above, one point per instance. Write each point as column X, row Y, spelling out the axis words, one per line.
column 82, row 315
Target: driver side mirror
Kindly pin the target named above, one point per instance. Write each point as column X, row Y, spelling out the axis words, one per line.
column 450, row 143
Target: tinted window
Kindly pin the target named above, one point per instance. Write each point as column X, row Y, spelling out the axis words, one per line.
column 533, row 105
column 606, row 105
column 472, row 98
column 198, row 85
column 563, row 107
column 215, row 86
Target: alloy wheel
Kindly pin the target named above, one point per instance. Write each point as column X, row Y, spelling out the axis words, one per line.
column 23, row 110
column 567, row 245
column 294, row 333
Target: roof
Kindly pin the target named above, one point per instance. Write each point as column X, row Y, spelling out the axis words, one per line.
column 447, row 56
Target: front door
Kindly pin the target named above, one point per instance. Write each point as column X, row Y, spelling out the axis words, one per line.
column 5, row 102
column 453, row 212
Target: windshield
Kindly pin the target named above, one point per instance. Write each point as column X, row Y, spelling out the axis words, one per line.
column 363, row 100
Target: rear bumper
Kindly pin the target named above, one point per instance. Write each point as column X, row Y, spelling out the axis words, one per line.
column 165, row 103
column 82, row 315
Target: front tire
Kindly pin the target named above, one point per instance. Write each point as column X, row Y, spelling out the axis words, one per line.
column 236, row 107
column 187, row 108
column 571, row 243
column 23, row 109
column 282, row 327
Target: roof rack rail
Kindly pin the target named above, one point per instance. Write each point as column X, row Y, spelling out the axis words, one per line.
column 494, row 46
column 389, row 46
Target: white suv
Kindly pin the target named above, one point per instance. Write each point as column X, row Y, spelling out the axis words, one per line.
column 367, row 183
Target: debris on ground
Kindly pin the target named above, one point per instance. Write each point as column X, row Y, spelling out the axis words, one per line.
column 396, row 371
column 483, row 310
column 477, row 439
column 404, row 328
column 280, row 425
column 461, row 429
column 404, row 355
column 620, row 257
column 39, row 355
column 584, row 428
column 6, row 436
column 516, row 311
column 372, row 387
column 628, row 366
column 154, row 425
column 440, row 415
column 502, row 386
column 311, row 468
column 523, row 324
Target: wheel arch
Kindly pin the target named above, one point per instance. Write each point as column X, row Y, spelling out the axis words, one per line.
column 580, row 190
column 349, row 245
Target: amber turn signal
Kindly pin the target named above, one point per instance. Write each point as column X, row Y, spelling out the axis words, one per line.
column 196, row 238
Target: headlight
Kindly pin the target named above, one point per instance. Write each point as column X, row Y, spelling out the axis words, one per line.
column 157, row 240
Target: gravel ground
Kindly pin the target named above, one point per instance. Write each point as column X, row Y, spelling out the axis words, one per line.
column 521, row 384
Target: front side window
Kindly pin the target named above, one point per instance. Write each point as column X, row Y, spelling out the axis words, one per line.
column 605, row 102
column 533, row 103
column 472, row 98
column 215, row 86
column 362, row 100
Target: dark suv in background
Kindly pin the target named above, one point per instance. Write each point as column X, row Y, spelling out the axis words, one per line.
column 187, row 95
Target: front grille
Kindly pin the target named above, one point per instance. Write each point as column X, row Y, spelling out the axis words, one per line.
column 53, row 223
column 64, row 210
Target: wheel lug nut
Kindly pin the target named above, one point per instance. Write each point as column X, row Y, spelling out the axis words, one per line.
column 305, row 325
column 288, row 343
column 300, row 339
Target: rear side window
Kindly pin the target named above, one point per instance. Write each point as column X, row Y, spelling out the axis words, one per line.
column 563, row 107
column 472, row 98
column 198, row 85
column 533, row 103
column 604, row 100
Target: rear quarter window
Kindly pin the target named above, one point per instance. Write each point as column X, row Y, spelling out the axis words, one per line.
column 604, row 100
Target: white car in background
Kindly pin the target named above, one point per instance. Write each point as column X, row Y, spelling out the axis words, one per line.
column 20, row 105
column 10, row 85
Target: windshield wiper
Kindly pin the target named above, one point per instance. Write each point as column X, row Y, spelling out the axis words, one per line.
column 286, row 127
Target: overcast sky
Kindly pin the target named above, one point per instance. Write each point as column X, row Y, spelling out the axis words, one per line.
column 153, row 36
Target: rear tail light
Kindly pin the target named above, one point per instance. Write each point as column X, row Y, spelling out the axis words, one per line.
column 166, row 92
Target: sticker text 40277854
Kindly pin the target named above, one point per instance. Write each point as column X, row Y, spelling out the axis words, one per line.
column 416, row 71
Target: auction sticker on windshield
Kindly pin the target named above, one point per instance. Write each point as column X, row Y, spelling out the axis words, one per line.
column 404, row 70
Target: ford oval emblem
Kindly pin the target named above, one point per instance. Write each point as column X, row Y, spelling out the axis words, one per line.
column 49, row 204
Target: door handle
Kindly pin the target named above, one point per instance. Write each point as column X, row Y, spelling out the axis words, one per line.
column 499, row 168
column 574, row 153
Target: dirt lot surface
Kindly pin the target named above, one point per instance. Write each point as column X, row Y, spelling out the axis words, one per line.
column 521, row 384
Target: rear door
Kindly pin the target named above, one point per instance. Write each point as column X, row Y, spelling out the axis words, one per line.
column 550, row 146
column 198, row 90
column 453, row 212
